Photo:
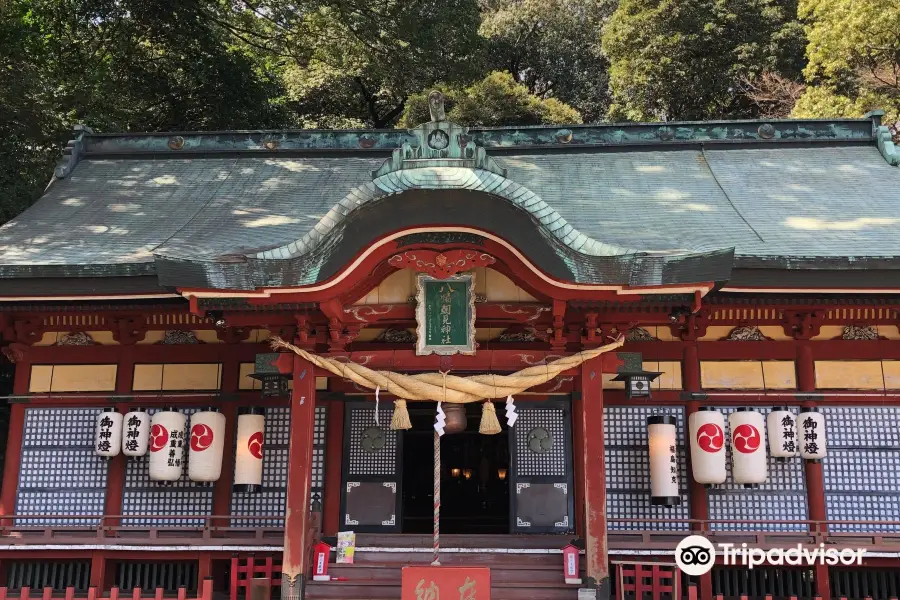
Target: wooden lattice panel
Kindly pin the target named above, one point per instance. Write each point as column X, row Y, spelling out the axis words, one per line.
column 628, row 469
column 862, row 468
column 270, row 500
column 375, row 460
column 782, row 497
column 540, row 440
column 144, row 498
column 60, row 474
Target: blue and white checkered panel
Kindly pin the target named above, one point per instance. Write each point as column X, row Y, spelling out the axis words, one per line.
column 862, row 467
column 143, row 499
column 77, row 504
column 170, row 503
column 640, row 515
column 782, row 497
column 863, row 507
column 628, row 470
column 60, row 474
column 748, row 506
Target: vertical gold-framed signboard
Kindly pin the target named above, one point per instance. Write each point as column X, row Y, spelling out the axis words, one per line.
column 445, row 314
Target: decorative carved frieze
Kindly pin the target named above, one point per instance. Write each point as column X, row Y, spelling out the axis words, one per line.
column 746, row 333
column 441, row 265
column 79, row 338
column 180, row 337
column 518, row 334
column 639, row 334
column 396, row 335
column 862, row 332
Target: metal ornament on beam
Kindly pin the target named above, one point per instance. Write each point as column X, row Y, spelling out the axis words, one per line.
column 273, row 370
column 637, row 380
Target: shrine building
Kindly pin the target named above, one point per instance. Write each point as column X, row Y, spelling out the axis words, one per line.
column 494, row 348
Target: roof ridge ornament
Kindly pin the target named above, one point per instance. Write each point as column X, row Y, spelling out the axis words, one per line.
column 439, row 143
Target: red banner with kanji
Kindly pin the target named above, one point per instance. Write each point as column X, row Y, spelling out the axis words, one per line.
column 446, row 583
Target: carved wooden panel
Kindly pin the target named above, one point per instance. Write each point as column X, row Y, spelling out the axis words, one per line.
column 371, row 503
column 543, row 505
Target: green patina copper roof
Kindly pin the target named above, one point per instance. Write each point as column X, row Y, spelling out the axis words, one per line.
column 642, row 204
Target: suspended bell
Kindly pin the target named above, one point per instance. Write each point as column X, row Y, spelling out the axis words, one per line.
column 455, row 415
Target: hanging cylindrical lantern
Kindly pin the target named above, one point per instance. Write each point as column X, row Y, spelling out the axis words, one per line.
column 248, row 458
column 108, row 433
column 207, row 442
column 136, row 433
column 707, row 431
column 781, row 428
column 661, row 434
column 167, row 445
column 812, row 434
column 748, row 452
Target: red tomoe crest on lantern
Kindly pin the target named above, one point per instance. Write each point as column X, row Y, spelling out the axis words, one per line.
column 745, row 438
column 159, row 437
column 710, row 437
column 255, row 445
column 201, row 437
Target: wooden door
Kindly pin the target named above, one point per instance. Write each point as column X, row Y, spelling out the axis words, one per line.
column 540, row 449
column 371, row 498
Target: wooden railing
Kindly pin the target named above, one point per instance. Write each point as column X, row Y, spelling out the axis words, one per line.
column 214, row 530
column 205, row 593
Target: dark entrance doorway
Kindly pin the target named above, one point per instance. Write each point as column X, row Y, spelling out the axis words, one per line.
column 474, row 476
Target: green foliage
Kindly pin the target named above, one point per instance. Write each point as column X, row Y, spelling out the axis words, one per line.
column 854, row 58
column 687, row 59
column 552, row 47
column 495, row 100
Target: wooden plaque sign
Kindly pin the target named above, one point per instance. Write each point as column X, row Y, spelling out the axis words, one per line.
column 445, row 314
column 446, row 583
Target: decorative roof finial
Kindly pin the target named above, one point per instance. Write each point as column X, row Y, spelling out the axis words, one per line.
column 436, row 106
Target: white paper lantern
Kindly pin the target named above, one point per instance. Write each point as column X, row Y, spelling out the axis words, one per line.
column 136, row 433
column 661, row 435
column 707, row 431
column 781, row 428
column 811, row 425
column 167, row 445
column 748, row 448
column 248, row 458
column 207, row 442
column 108, row 433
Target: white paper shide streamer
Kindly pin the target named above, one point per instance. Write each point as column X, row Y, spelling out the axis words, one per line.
column 511, row 414
column 108, row 433
column 167, row 445
column 440, row 420
column 207, row 441
column 136, row 433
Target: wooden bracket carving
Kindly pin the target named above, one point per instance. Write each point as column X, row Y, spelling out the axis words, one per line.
column 129, row 330
column 28, row 331
column 691, row 327
column 558, row 339
column 441, row 265
column 233, row 335
column 802, row 325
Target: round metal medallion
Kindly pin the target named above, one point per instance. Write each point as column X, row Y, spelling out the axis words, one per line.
column 540, row 441
column 372, row 440
column 438, row 139
column 766, row 131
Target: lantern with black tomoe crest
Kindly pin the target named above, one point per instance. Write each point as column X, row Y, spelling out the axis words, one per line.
column 637, row 380
column 274, row 382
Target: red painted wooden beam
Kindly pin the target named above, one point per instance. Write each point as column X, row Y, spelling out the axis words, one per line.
column 592, row 453
column 297, row 506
